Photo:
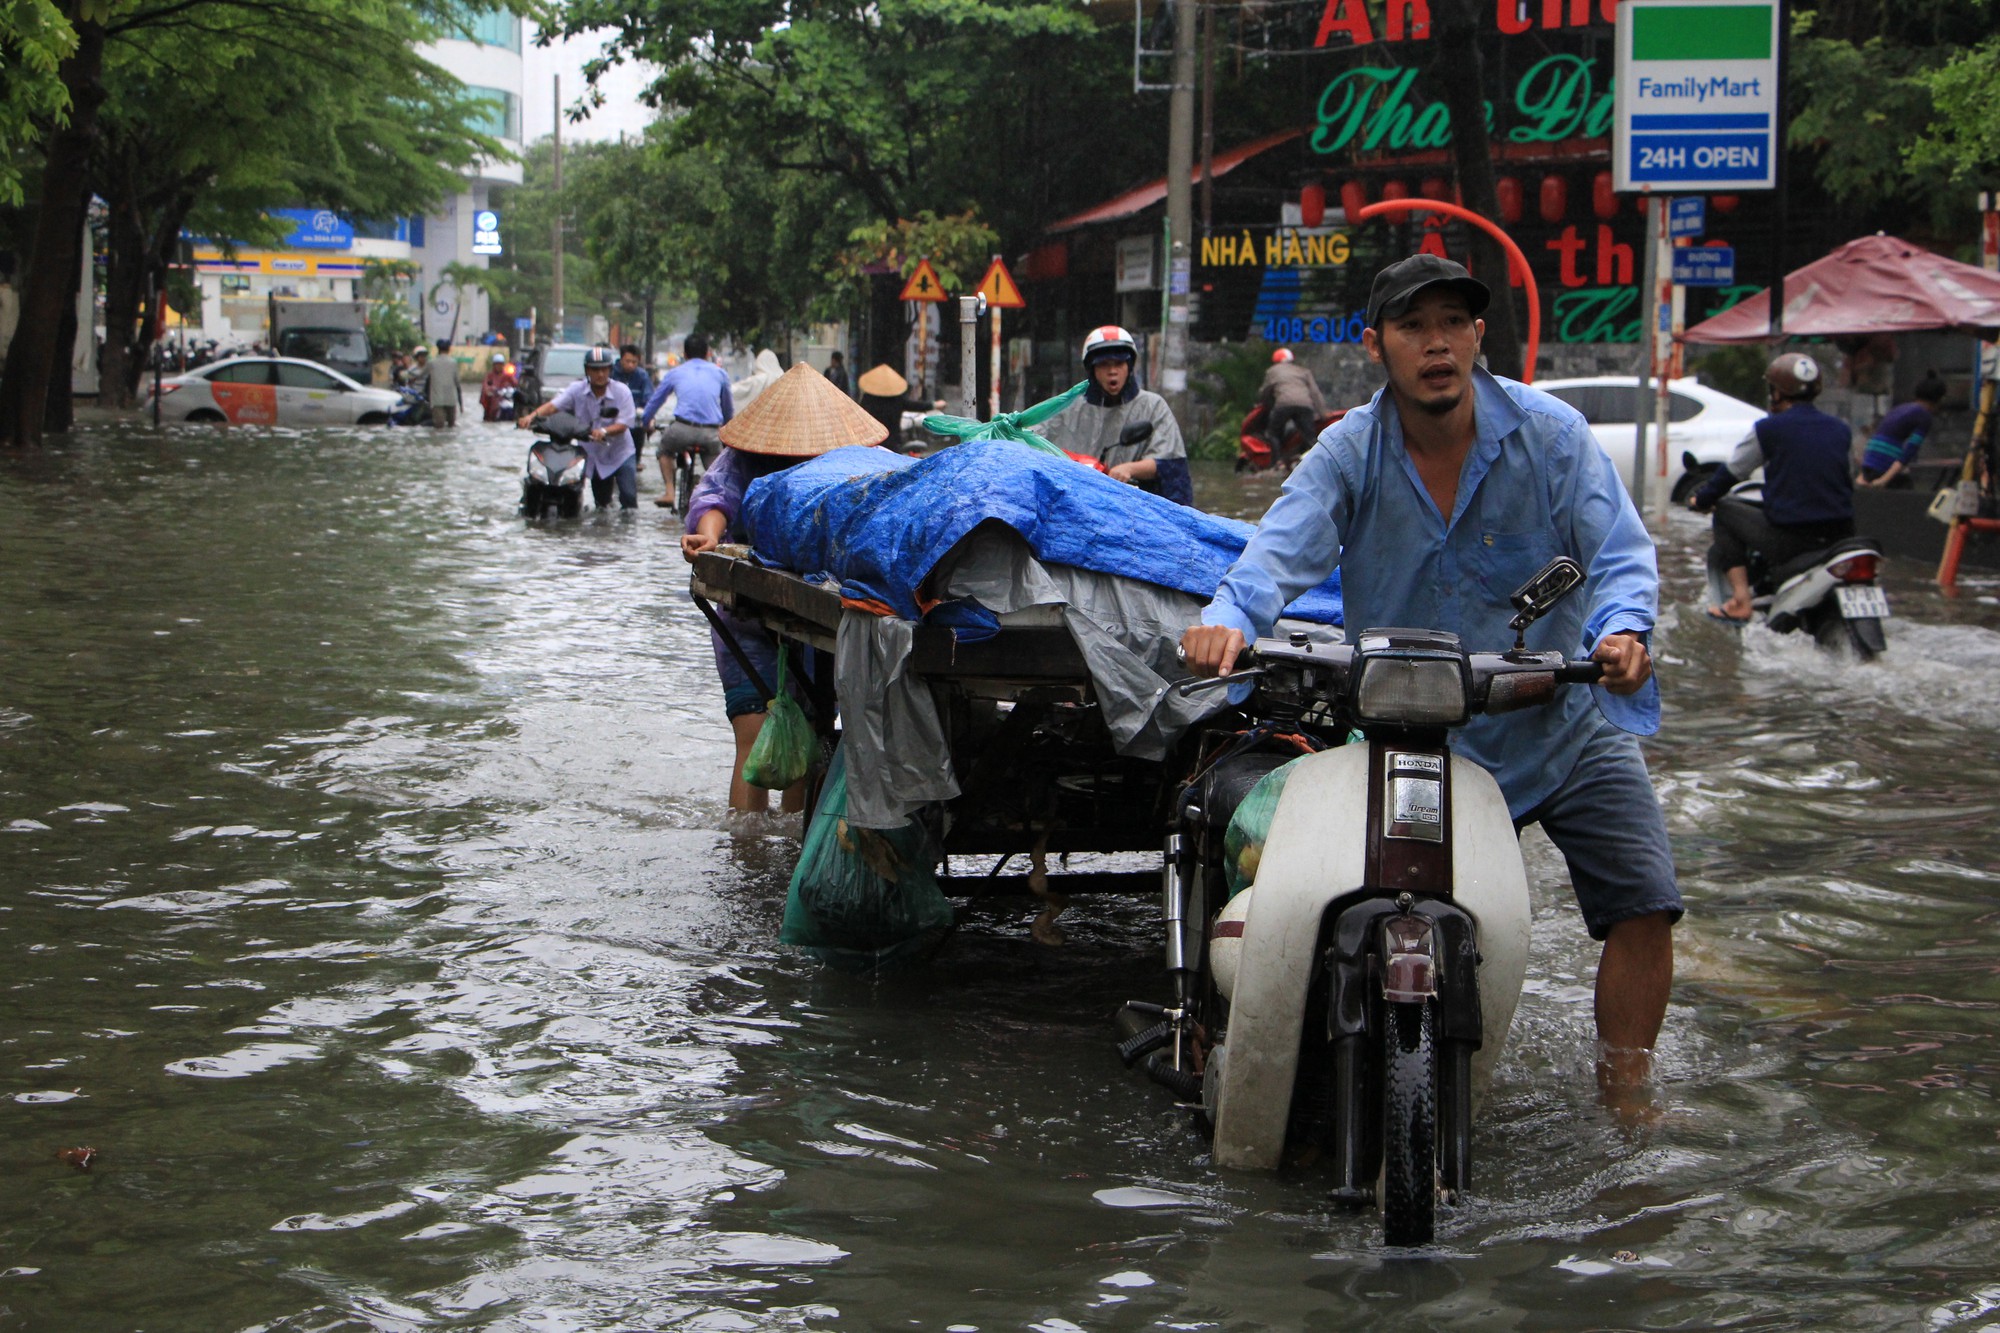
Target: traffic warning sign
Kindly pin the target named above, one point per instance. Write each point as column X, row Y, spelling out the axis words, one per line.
column 923, row 284
column 998, row 288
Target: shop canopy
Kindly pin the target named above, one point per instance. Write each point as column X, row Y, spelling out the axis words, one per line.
column 1145, row 196
column 1877, row 284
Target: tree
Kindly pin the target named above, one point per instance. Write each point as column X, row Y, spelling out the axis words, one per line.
column 321, row 102
column 1896, row 105
column 35, row 38
column 459, row 279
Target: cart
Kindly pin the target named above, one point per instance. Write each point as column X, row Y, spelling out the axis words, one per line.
column 1038, row 774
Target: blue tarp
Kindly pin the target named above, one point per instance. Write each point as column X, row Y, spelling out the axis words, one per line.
column 878, row 522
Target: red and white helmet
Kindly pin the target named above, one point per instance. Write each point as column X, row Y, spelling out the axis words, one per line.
column 1282, row 355
column 1108, row 340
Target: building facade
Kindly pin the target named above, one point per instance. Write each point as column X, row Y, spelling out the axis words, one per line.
column 486, row 57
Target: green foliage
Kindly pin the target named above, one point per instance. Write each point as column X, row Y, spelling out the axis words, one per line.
column 1229, row 385
column 958, row 247
column 1900, row 116
column 1964, row 138
column 1737, row 369
column 34, row 38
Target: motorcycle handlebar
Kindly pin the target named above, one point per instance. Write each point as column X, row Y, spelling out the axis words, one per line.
column 1581, row 673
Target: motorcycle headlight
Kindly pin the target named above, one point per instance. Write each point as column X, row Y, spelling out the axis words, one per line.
column 573, row 473
column 537, row 469
column 1411, row 691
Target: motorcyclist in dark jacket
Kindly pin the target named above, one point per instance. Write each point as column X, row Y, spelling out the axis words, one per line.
column 1808, row 484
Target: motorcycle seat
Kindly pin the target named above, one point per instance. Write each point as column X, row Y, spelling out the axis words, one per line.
column 1813, row 559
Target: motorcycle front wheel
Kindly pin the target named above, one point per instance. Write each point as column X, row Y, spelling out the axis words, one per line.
column 1409, row 1124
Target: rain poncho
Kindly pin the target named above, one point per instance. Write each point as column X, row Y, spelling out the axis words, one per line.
column 764, row 373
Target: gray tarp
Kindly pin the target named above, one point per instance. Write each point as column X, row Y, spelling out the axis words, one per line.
column 1127, row 630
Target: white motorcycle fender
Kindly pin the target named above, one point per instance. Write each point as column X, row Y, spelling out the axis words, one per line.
column 1316, row 853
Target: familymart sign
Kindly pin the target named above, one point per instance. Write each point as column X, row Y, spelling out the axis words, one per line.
column 1697, row 95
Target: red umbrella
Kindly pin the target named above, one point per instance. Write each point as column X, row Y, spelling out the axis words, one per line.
column 1877, row 284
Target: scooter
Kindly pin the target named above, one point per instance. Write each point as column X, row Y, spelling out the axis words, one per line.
column 1830, row 594
column 413, row 410
column 1345, row 1007
column 1255, row 454
column 553, row 479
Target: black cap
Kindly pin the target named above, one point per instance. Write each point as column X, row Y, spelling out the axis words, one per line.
column 1397, row 285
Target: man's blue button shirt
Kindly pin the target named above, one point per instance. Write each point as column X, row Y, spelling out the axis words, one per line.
column 1535, row 485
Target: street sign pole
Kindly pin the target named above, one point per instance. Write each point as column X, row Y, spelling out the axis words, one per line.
column 968, row 356
column 1642, row 410
column 1663, row 333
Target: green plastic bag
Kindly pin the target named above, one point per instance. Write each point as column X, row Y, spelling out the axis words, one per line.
column 861, row 898
column 1243, row 841
column 783, row 750
column 1015, row 426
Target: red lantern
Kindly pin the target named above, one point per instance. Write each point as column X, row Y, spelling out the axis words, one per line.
column 1555, row 198
column 1353, row 198
column 1726, row 203
column 1312, row 205
column 1603, row 199
column 1395, row 190
column 1434, row 187
column 1508, row 191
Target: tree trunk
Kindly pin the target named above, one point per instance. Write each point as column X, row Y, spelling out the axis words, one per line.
column 1459, row 72
column 125, row 304
column 38, row 365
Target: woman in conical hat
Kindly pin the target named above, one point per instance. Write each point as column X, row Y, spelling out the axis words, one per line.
column 799, row 416
column 882, row 391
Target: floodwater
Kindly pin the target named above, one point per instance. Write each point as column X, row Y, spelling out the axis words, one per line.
column 367, row 901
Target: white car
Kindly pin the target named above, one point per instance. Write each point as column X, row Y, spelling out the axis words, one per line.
column 274, row 391
column 1702, row 421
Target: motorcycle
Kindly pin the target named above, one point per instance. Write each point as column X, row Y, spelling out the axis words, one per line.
column 1830, row 593
column 1347, row 1005
column 1255, row 454
column 414, row 409
column 554, row 476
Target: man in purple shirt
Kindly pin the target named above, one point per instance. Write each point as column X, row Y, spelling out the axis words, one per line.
column 606, row 406
column 700, row 390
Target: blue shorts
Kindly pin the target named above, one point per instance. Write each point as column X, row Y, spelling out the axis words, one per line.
column 1606, row 822
column 742, row 699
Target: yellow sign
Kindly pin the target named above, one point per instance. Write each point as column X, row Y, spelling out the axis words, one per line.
column 923, row 285
column 998, row 288
column 287, row 264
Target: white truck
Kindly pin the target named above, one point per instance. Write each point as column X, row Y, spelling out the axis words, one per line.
column 333, row 333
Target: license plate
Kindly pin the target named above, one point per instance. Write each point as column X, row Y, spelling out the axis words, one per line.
column 1862, row 603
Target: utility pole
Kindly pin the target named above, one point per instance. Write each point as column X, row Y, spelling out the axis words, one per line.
column 1180, row 211
column 556, row 296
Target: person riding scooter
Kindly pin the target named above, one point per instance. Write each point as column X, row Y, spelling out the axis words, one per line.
column 1292, row 404
column 1808, row 490
column 607, row 404
column 1096, row 425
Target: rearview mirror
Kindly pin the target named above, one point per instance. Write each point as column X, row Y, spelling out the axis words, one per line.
column 1539, row 595
column 1137, row 433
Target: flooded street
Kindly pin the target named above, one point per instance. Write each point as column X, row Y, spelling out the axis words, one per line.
column 367, row 900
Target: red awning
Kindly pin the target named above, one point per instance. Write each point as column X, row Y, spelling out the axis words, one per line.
column 1877, row 284
column 1144, row 197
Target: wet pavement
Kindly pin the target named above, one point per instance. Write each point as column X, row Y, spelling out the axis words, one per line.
column 367, row 900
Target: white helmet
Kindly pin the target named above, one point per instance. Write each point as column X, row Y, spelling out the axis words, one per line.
column 1108, row 340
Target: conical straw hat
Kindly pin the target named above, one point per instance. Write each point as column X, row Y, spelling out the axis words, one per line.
column 883, row 382
column 801, row 416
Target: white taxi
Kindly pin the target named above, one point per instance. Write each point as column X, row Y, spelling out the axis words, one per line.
column 1702, row 421
column 274, row 391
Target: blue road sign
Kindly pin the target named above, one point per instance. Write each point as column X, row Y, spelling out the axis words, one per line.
column 523, row 323
column 1687, row 216
column 1705, row 265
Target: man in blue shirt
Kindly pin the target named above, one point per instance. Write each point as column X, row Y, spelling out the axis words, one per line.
column 638, row 383
column 606, row 407
column 700, row 390
column 1808, row 495
column 1437, row 499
